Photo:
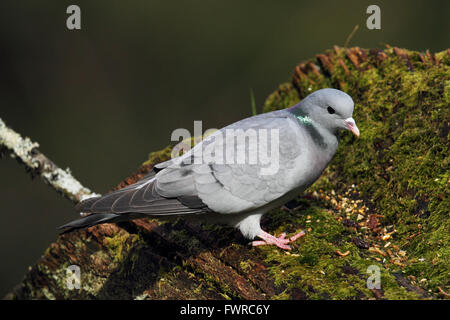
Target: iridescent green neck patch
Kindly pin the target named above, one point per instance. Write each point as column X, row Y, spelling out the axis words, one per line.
column 304, row 119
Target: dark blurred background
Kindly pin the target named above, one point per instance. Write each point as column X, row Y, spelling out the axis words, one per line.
column 99, row 99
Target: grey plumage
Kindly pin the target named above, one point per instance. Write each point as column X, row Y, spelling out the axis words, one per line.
column 229, row 192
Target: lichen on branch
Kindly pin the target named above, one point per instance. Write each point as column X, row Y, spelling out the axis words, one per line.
column 27, row 153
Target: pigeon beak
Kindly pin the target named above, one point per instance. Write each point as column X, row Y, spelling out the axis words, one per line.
column 351, row 125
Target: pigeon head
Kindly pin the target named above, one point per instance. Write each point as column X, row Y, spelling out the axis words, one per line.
column 330, row 108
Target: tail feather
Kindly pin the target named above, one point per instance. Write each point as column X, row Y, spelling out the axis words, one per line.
column 89, row 221
column 134, row 201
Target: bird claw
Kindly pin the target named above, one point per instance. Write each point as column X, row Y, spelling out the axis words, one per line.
column 280, row 242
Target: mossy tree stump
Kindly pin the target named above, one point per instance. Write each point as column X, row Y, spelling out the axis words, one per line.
column 383, row 201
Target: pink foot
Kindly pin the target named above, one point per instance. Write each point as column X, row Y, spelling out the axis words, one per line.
column 280, row 242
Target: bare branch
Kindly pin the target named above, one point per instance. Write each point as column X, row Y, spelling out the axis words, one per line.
column 26, row 152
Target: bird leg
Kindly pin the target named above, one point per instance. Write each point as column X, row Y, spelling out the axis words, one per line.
column 281, row 241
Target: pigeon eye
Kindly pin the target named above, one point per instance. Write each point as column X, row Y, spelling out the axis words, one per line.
column 331, row 110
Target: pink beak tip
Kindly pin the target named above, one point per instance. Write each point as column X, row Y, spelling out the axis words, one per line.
column 351, row 125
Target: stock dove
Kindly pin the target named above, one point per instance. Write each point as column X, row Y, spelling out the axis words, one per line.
column 238, row 173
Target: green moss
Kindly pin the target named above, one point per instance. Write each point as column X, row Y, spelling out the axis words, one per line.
column 400, row 165
column 284, row 97
column 245, row 266
column 315, row 267
column 159, row 156
column 120, row 244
